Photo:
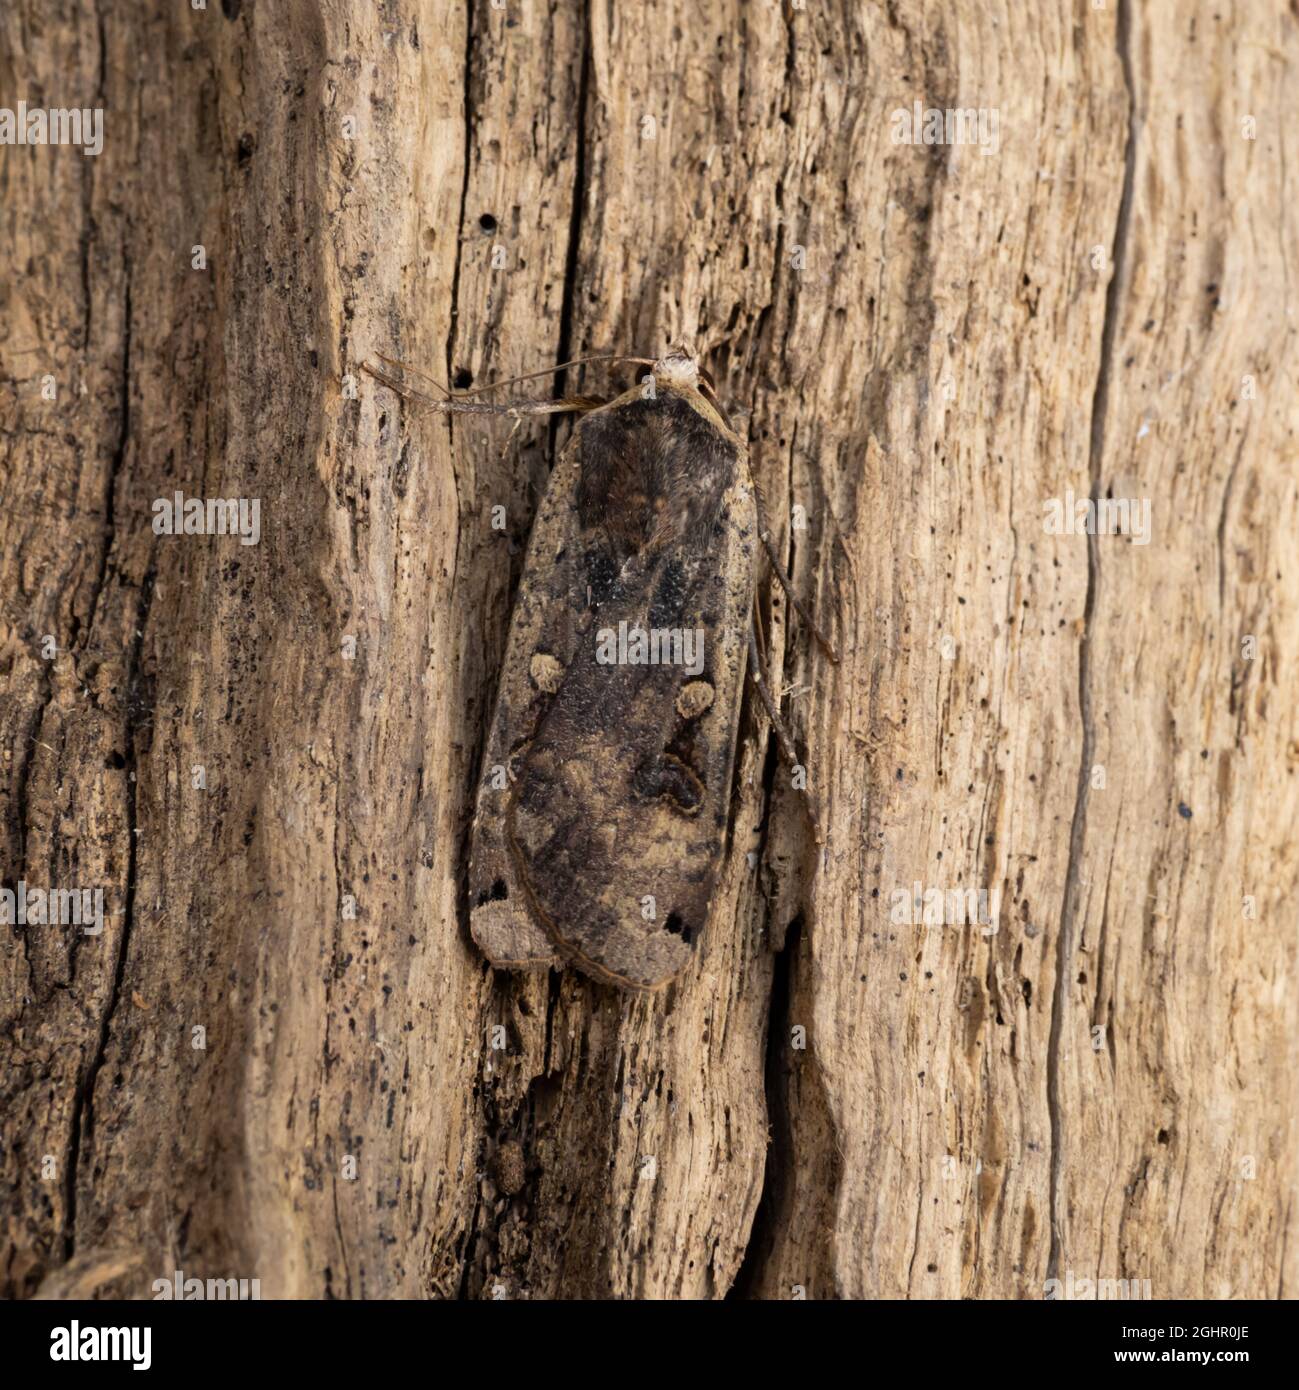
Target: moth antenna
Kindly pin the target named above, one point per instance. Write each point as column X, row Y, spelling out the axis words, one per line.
column 558, row 367
column 414, row 371
column 456, row 406
column 407, row 369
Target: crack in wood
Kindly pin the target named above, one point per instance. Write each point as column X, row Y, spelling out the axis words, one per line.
column 1078, row 828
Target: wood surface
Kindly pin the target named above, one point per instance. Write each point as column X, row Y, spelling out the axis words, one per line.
column 926, row 344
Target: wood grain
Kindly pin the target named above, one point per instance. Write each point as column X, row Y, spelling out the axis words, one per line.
column 928, row 343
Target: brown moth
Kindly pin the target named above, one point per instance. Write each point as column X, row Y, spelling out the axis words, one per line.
column 603, row 803
column 603, row 806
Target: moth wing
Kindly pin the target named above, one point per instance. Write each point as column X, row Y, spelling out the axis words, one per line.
column 542, row 640
column 621, row 804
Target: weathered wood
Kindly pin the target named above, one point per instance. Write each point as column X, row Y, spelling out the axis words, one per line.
column 930, row 343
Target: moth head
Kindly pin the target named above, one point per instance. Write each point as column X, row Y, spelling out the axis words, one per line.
column 680, row 367
column 677, row 367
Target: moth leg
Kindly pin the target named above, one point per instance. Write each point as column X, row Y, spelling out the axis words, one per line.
column 783, row 740
column 786, row 583
column 764, row 694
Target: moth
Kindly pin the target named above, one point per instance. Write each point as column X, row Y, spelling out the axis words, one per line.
column 603, row 802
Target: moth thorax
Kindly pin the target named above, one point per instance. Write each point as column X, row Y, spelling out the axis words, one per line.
column 677, row 368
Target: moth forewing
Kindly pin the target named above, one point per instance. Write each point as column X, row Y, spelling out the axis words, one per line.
column 602, row 810
column 501, row 921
